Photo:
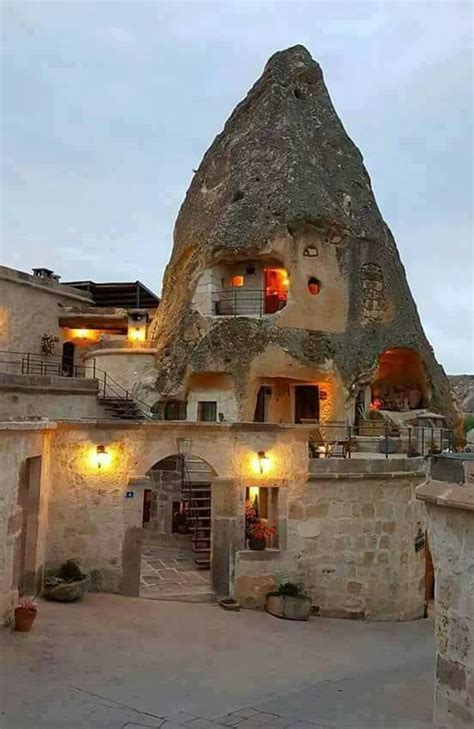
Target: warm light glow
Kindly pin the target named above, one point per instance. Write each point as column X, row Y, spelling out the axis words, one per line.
column 236, row 281
column 276, row 283
column 82, row 334
column 137, row 334
column 254, row 493
column 103, row 457
column 260, row 463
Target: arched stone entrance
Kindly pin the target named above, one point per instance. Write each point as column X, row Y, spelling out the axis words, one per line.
column 176, row 530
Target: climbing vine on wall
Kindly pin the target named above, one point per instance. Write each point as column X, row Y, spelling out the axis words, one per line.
column 48, row 343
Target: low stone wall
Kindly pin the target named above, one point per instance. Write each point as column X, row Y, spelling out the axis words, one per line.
column 351, row 542
column 52, row 397
column 450, row 508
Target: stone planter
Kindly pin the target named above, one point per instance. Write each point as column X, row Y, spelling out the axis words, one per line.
column 257, row 544
column 288, row 608
column 65, row 591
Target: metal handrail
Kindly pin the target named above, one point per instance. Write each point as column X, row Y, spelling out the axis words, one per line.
column 34, row 364
column 245, row 302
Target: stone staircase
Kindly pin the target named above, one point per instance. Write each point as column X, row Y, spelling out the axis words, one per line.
column 197, row 490
column 122, row 408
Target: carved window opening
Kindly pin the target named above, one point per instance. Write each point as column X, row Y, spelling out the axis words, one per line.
column 314, row 286
column 261, row 507
column 207, row 411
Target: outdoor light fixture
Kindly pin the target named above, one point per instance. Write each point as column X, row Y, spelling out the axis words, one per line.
column 102, row 456
column 263, row 461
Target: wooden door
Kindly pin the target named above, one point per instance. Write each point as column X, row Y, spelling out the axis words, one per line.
column 147, row 499
column 306, row 403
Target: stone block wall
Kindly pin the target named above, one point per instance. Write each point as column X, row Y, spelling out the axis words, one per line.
column 22, row 534
column 351, row 542
column 450, row 509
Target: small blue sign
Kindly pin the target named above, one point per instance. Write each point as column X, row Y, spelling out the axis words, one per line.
column 130, row 494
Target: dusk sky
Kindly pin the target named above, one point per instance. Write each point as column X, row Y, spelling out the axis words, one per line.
column 108, row 107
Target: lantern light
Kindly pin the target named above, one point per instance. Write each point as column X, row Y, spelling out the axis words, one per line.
column 102, row 456
column 263, row 461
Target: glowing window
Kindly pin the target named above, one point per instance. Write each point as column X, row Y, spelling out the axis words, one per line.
column 236, row 281
column 314, row 286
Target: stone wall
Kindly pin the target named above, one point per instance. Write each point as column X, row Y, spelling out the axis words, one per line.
column 350, row 541
column 126, row 366
column 29, row 308
column 22, row 534
column 450, row 508
column 53, row 397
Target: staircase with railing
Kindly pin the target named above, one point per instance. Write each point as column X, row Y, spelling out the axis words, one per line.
column 116, row 400
column 196, row 491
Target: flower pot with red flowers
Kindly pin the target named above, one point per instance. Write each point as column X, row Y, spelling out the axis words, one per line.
column 25, row 615
column 258, row 532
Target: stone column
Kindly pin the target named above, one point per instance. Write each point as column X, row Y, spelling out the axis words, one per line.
column 227, row 533
column 450, row 508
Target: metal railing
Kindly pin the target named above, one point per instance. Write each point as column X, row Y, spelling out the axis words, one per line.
column 247, row 302
column 328, row 440
column 28, row 363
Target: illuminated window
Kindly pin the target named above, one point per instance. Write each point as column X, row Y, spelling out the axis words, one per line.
column 236, row 281
column 314, row 286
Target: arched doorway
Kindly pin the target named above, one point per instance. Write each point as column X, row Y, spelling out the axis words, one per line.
column 176, row 541
column 400, row 383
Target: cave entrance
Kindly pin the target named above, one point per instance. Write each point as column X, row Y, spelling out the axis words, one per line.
column 400, row 382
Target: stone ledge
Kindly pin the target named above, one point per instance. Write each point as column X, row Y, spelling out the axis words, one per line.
column 253, row 555
column 363, row 476
column 451, row 495
column 28, row 425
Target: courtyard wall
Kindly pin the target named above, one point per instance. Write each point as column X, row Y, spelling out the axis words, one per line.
column 450, row 509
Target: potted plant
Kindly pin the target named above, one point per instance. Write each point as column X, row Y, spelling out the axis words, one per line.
column 258, row 532
column 66, row 584
column 290, row 601
column 25, row 615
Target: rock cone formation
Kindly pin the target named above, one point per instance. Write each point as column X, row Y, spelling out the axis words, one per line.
column 284, row 186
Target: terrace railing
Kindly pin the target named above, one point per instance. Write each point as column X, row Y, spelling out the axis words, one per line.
column 29, row 363
column 246, row 302
column 333, row 439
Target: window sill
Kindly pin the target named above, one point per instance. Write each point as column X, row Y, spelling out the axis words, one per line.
column 255, row 555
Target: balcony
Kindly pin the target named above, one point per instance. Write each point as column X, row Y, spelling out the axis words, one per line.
column 247, row 302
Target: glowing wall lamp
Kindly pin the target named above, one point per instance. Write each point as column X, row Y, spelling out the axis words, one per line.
column 263, row 462
column 102, row 456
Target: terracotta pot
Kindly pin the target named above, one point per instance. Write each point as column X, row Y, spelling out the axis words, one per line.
column 257, row 544
column 24, row 619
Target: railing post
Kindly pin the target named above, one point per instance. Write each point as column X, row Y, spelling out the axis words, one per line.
column 386, row 440
column 409, row 442
column 93, row 368
column 422, row 441
column 349, row 449
column 432, row 440
column 105, row 383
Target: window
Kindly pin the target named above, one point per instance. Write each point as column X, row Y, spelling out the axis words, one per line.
column 236, row 281
column 314, row 286
column 174, row 410
column 207, row 411
column 261, row 504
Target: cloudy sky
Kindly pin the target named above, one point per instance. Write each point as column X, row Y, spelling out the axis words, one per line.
column 109, row 106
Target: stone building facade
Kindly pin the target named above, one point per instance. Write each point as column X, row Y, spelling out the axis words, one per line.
column 348, row 536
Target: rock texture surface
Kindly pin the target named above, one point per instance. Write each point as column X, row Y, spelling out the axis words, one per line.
column 283, row 175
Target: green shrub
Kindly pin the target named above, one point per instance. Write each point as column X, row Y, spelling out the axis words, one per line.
column 291, row 589
column 70, row 571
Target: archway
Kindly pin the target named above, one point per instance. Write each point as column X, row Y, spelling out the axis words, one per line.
column 400, row 383
column 176, row 540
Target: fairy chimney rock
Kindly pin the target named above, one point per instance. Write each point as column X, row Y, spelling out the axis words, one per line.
column 283, row 271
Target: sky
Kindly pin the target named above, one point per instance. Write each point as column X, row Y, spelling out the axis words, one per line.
column 108, row 108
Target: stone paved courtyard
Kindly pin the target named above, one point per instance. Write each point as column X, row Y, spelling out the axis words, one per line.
column 125, row 663
column 171, row 573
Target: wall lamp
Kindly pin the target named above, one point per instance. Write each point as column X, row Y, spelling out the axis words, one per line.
column 102, row 456
column 263, row 461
